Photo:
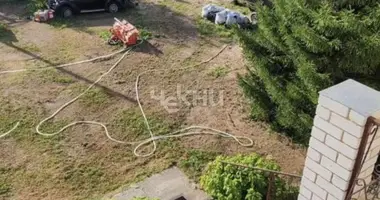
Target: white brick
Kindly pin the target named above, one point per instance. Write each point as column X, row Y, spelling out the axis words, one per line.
column 327, row 127
column 346, row 125
column 333, row 105
column 318, row 169
column 351, row 140
column 335, row 168
column 323, row 112
column 316, row 197
column 357, row 118
column 340, row 183
column 300, row 197
column 330, row 197
column 345, row 162
column 341, row 147
column 314, row 188
column 318, row 134
column 313, row 154
column 323, row 149
column 305, row 192
column 330, row 188
column 309, row 174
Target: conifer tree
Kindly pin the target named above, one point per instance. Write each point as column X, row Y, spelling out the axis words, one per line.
column 303, row 46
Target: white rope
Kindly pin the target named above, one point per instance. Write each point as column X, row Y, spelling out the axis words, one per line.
column 58, row 66
column 180, row 133
column 76, row 98
column 65, row 65
column 12, row 129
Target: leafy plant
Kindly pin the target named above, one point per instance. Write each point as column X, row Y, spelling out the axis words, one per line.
column 35, row 5
column 145, row 34
column 105, row 35
column 229, row 182
column 301, row 47
column 195, row 162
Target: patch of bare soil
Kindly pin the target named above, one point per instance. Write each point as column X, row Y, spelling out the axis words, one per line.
column 82, row 163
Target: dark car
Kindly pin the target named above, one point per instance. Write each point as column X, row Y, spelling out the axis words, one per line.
column 67, row 8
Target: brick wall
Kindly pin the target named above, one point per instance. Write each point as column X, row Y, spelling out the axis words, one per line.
column 338, row 128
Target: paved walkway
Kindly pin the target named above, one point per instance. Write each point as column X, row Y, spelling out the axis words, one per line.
column 170, row 184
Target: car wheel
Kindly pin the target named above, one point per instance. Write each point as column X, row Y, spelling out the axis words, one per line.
column 66, row 12
column 113, row 7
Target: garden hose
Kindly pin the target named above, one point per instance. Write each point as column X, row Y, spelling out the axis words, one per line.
column 191, row 130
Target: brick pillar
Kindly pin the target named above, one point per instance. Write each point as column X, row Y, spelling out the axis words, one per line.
column 339, row 122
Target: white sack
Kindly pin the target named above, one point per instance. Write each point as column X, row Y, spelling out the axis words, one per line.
column 221, row 16
column 209, row 9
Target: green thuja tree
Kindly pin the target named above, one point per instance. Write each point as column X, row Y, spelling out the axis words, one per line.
column 300, row 47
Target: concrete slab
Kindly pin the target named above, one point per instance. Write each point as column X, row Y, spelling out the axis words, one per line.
column 167, row 185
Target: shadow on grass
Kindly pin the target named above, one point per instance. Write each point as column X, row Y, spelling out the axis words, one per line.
column 7, row 37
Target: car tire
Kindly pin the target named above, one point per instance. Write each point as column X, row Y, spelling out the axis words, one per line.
column 66, row 12
column 113, row 7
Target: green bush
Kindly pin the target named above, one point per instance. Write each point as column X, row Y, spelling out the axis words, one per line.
column 301, row 47
column 229, row 182
column 35, row 5
column 195, row 162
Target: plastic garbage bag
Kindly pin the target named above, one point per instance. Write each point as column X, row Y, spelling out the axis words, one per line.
column 221, row 17
column 210, row 10
column 233, row 18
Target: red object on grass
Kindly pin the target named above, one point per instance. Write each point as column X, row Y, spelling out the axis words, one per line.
column 124, row 32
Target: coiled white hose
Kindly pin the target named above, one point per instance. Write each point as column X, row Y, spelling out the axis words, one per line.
column 180, row 133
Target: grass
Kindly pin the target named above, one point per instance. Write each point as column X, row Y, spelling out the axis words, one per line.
column 31, row 47
column 93, row 98
column 219, row 71
column 82, row 163
column 61, row 167
column 6, row 34
column 105, row 35
column 5, row 187
column 3, row 29
column 131, row 121
column 51, row 76
column 60, row 23
column 195, row 161
column 209, row 29
column 176, row 6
